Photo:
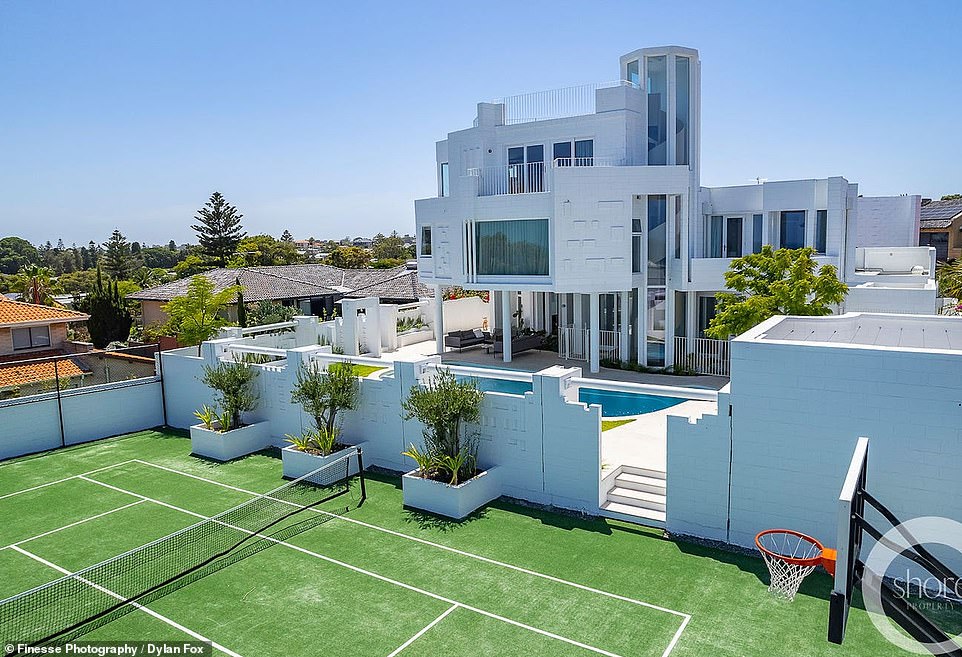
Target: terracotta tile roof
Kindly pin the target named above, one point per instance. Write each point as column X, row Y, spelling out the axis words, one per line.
column 35, row 372
column 18, row 312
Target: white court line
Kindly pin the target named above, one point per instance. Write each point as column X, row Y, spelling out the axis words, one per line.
column 142, row 608
column 439, row 546
column 423, row 630
column 60, row 481
column 74, row 524
column 369, row 573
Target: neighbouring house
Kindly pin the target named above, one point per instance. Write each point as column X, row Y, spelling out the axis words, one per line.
column 581, row 210
column 31, row 336
column 312, row 289
column 941, row 228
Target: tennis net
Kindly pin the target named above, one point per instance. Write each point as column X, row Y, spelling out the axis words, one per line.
column 61, row 610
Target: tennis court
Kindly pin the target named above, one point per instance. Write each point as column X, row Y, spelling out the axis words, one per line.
column 375, row 579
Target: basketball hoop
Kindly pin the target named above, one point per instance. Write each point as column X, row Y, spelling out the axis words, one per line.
column 791, row 556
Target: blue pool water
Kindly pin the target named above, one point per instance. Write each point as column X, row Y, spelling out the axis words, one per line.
column 620, row 404
column 499, row 385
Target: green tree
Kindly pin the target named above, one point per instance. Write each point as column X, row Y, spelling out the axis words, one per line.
column 159, row 257
column 198, row 315
column 110, row 320
column 268, row 312
column 949, row 278
column 390, row 248
column 324, row 394
column 349, row 257
column 191, row 265
column 78, row 282
column 774, row 282
column 16, row 253
column 234, row 383
column 241, row 308
column 35, row 284
column 952, row 197
column 287, row 237
column 264, row 251
column 219, row 229
column 116, row 260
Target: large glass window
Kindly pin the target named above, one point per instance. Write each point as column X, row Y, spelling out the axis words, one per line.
column 821, row 230
column 655, row 329
column 678, row 220
column 526, row 169
column 657, row 87
column 512, row 247
column 31, row 337
column 716, row 233
column 425, row 240
column 791, row 232
column 657, row 238
column 633, row 76
column 756, row 233
column 584, row 153
column 706, row 313
column 682, row 108
column 733, row 238
column 445, row 180
column 561, row 153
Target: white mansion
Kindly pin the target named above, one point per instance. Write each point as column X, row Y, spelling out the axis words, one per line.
column 584, row 207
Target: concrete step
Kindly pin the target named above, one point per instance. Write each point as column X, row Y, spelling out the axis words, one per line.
column 643, row 472
column 638, row 498
column 640, row 482
column 630, row 513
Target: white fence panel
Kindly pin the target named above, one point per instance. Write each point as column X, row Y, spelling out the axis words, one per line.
column 704, row 355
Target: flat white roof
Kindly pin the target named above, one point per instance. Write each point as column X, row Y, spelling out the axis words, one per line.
column 928, row 332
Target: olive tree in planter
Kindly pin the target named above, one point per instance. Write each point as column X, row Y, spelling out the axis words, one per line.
column 446, row 480
column 223, row 436
column 323, row 395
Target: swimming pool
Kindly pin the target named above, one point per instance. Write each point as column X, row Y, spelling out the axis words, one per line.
column 619, row 404
column 486, row 384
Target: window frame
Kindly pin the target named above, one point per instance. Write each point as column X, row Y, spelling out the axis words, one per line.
column 724, row 247
column 781, row 228
column 429, row 242
column 444, row 180
column 821, row 232
column 573, row 159
column 496, row 278
column 32, row 341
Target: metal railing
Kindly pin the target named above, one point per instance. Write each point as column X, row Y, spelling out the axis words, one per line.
column 704, row 355
column 554, row 103
column 563, row 162
column 510, row 179
column 610, row 345
column 573, row 343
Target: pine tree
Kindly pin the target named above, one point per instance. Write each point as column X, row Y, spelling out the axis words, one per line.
column 94, row 252
column 172, row 245
column 116, row 260
column 110, row 321
column 241, row 308
column 287, row 237
column 219, row 229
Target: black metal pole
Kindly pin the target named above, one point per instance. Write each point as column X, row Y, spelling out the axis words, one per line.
column 360, row 473
column 56, row 376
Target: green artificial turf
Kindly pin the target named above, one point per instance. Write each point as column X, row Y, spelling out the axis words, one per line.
column 367, row 582
column 366, row 370
column 611, row 424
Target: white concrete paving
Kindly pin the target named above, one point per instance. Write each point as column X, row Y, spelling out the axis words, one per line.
column 644, row 442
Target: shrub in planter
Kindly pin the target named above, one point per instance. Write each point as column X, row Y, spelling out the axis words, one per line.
column 323, row 395
column 443, row 406
column 234, row 385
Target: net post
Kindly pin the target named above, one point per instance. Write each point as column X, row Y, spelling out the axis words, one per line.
column 56, row 383
column 360, row 473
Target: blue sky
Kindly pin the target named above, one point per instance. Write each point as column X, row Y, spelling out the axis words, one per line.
column 321, row 118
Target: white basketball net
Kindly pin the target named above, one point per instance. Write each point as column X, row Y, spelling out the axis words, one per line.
column 787, row 577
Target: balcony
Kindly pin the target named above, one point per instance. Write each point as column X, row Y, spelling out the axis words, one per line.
column 532, row 177
column 554, row 103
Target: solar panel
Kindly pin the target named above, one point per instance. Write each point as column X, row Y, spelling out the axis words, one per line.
column 937, row 210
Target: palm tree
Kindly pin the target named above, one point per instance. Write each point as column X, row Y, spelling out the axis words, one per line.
column 35, row 284
column 949, row 278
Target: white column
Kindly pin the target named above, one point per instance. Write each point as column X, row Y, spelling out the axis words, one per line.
column 439, row 319
column 640, row 325
column 594, row 353
column 691, row 321
column 623, row 348
column 577, row 340
column 669, row 327
column 506, row 324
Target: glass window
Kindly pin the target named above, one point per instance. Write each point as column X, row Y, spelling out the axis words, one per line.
column 584, row 153
column 534, row 168
column 938, row 240
column 445, row 189
column 706, row 313
column 31, row 337
column 636, row 254
column 425, row 240
column 733, row 238
column 633, row 76
column 561, row 153
column 792, row 229
column 657, row 87
column 756, row 233
column 678, row 221
column 512, row 248
column 682, row 108
column 657, row 238
column 516, row 155
column 821, row 230
column 655, row 329
column 716, row 227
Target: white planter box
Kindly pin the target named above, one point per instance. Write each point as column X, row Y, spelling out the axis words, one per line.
column 297, row 463
column 414, row 336
column 230, row 445
column 451, row 501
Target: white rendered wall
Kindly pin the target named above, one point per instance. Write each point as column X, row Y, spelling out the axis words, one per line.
column 797, row 410
column 888, row 220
